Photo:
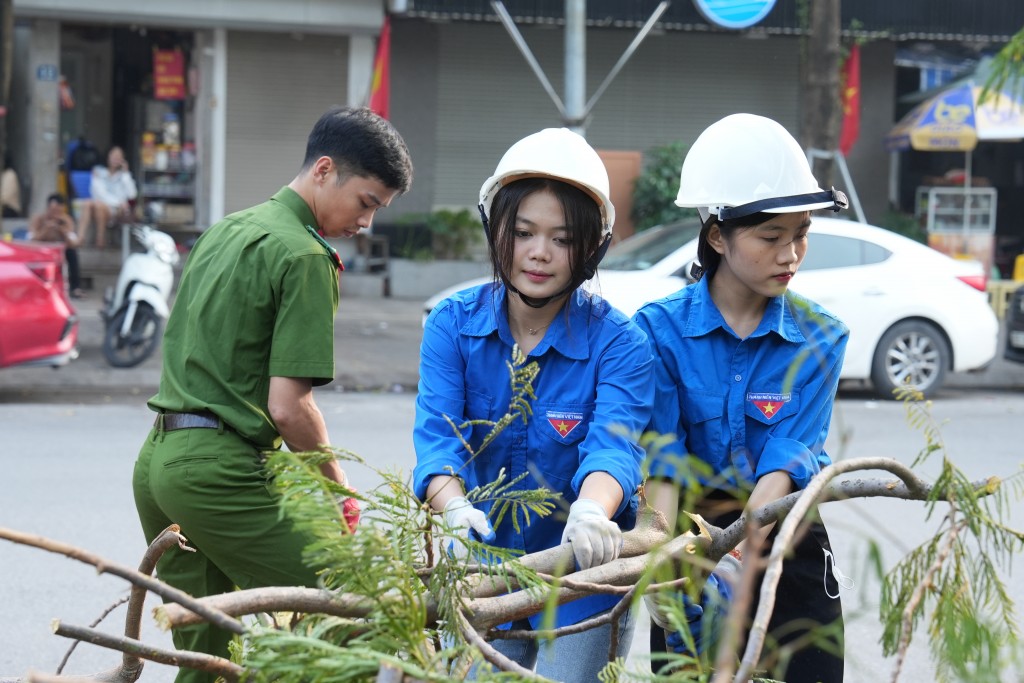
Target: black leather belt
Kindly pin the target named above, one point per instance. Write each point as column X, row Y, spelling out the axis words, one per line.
column 170, row 422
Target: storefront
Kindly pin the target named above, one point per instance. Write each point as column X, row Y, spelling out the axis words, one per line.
column 211, row 102
column 133, row 88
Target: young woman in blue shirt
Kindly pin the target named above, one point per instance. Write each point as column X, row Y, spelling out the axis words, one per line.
column 548, row 221
column 747, row 372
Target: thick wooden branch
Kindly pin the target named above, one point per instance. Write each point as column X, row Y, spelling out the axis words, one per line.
column 907, row 487
column 651, row 530
column 491, row 655
column 135, row 652
column 193, row 660
column 39, row 677
column 272, row 599
column 134, row 577
column 67, row 655
column 489, row 602
column 820, row 488
column 168, row 538
column 487, row 612
column 926, row 584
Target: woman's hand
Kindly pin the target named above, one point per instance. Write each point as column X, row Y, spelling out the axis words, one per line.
column 595, row 539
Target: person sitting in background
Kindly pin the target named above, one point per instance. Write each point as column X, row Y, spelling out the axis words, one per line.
column 10, row 191
column 55, row 225
column 112, row 189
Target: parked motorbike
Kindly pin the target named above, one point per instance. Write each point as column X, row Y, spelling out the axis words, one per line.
column 136, row 308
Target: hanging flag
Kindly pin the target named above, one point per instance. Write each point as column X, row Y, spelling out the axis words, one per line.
column 168, row 74
column 67, row 97
column 381, row 85
column 850, row 83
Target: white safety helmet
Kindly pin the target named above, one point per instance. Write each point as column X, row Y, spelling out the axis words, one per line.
column 746, row 164
column 556, row 153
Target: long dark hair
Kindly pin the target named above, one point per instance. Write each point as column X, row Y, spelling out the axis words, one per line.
column 708, row 257
column 582, row 221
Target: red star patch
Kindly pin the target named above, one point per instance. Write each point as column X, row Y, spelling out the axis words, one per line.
column 562, row 425
column 769, row 408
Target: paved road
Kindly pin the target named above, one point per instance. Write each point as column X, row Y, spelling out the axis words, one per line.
column 67, row 470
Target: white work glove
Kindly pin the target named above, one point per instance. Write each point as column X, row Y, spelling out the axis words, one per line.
column 728, row 569
column 465, row 521
column 595, row 539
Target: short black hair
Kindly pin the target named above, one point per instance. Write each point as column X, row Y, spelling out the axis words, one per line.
column 361, row 143
column 56, row 197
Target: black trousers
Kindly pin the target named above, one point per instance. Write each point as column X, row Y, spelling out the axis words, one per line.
column 74, row 272
column 808, row 615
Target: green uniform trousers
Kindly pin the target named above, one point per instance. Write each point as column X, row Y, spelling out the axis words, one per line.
column 213, row 484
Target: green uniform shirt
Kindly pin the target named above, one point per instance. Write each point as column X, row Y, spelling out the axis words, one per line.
column 257, row 299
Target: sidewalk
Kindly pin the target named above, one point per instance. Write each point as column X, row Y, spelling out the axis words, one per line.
column 376, row 349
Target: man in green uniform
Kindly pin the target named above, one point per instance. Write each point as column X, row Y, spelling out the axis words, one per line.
column 251, row 333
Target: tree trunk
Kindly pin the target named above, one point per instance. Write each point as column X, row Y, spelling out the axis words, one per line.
column 821, row 113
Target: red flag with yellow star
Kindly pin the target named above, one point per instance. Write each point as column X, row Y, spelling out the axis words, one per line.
column 850, row 84
column 380, row 87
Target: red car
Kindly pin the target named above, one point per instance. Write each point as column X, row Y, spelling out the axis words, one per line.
column 38, row 324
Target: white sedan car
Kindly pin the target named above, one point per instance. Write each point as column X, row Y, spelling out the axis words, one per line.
column 914, row 313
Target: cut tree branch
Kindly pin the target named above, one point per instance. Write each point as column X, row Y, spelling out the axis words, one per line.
column 818, row 488
column 490, row 603
column 106, row 613
column 490, row 654
column 650, row 531
column 162, row 589
column 193, row 660
column 907, row 626
column 273, row 599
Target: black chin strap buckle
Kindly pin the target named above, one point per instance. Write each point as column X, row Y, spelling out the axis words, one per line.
column 590, row 267
column 483, row 219
column 841, row 202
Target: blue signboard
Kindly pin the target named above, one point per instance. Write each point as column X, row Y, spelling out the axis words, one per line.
column 734, row 14
column 47, row 72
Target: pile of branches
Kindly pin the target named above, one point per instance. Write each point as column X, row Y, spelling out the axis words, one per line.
column 390, row 607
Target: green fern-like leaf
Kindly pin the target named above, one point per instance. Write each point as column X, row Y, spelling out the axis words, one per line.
column 970, row 617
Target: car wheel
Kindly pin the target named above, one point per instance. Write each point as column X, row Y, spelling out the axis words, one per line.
column 911, row 352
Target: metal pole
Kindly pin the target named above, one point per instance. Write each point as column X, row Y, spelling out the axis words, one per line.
column 840, row 161
column 517, row 38
column 575, row 64
column 967, row 205
column 626, row 55
column 574, row 112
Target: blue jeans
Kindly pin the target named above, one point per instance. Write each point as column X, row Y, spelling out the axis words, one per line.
column 570, row 659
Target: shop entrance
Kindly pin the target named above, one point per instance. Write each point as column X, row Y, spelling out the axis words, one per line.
column 997, row 179
column 130, row 87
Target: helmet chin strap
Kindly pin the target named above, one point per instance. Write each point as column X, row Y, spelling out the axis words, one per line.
column 589, row 269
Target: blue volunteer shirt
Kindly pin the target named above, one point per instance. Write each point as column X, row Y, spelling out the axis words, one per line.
column 746, row 407
column 593, row 398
